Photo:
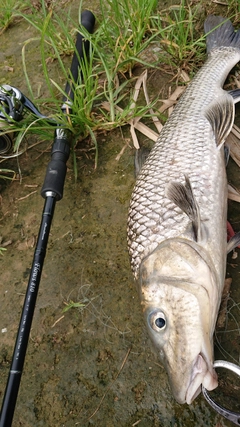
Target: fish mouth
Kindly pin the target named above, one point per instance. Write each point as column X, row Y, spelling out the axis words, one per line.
column 179, row 280
column 202, row 374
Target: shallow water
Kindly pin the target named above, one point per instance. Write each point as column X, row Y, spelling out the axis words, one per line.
column 91, row 365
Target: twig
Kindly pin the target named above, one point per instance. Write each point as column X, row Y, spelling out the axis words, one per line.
column 168, row 103
column 25, row 197
column 134, row 123
column 102, row 399
column 222, row 3
column 121, row 152
column 136, row 423
column 5, row 244
column 58, row 320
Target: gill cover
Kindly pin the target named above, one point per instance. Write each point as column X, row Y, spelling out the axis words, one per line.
column 178, row 293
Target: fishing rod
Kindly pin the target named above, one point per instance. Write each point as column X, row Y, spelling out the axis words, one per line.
column 14, row 103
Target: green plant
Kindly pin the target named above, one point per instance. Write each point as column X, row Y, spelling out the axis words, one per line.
column 124, row 31
column 107, row 58
column 2, row 250
column 179, row 37
column 99, row 80
column 233, row 9
column 8, row 9
column 72, row 304
column 7, row 174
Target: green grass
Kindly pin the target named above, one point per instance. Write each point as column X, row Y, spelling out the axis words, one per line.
column 233, row 10
column 8, row 9
column 72, row 304
column 124, row 32
column 179, row 36
column 103, row 74
column 7, row 174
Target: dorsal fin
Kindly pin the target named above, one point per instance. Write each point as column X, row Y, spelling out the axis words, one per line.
column 220, row 114
column 182, row 195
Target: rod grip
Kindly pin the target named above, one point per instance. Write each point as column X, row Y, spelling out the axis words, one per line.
column 82, row 45
column 88, row 20
column 57, row 167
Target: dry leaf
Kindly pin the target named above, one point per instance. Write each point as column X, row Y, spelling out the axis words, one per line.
column 156, row 121
column 232, row 141
column 167, row 103
column 7, row 68
column 136, row 124
column 184, row 76
column 222, row 316
column 141, row 127
column 233, row 194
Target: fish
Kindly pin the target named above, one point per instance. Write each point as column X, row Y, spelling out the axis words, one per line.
column 176, row 228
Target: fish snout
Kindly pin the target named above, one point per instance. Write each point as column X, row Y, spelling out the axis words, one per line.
column 202, row 374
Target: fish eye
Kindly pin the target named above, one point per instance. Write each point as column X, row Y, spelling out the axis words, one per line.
column 157, row 320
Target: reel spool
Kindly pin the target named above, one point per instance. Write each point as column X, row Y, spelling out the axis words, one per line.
column 5, row 144
column 6, row 139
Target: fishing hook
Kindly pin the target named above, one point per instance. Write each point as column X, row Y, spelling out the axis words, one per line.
column 226, row 413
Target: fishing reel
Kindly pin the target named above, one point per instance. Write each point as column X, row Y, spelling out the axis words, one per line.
column 13, row 105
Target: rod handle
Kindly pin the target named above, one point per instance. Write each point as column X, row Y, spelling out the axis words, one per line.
column 82, row 45
column 57, row 167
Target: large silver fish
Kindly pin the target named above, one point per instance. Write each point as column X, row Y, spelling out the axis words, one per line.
column 177, row 221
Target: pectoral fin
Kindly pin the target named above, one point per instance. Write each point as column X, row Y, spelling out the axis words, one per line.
column 235, row 93
column 220, row 115
column 233, row 242
column 226, row 154
column 182, row 195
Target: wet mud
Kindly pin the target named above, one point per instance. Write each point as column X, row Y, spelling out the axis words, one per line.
column 92, row 364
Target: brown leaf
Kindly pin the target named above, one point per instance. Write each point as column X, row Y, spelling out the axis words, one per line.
column 222, row 316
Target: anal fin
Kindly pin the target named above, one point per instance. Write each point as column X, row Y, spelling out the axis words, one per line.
column 220, row 114
column 182, row 195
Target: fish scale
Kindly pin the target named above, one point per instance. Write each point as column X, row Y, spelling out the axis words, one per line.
column 177, row 221
column 184, row 147
column 148, row 200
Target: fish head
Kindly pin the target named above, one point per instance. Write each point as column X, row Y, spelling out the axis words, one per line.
column 179, row 298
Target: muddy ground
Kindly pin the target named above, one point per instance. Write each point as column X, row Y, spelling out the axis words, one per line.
column 93, row 364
